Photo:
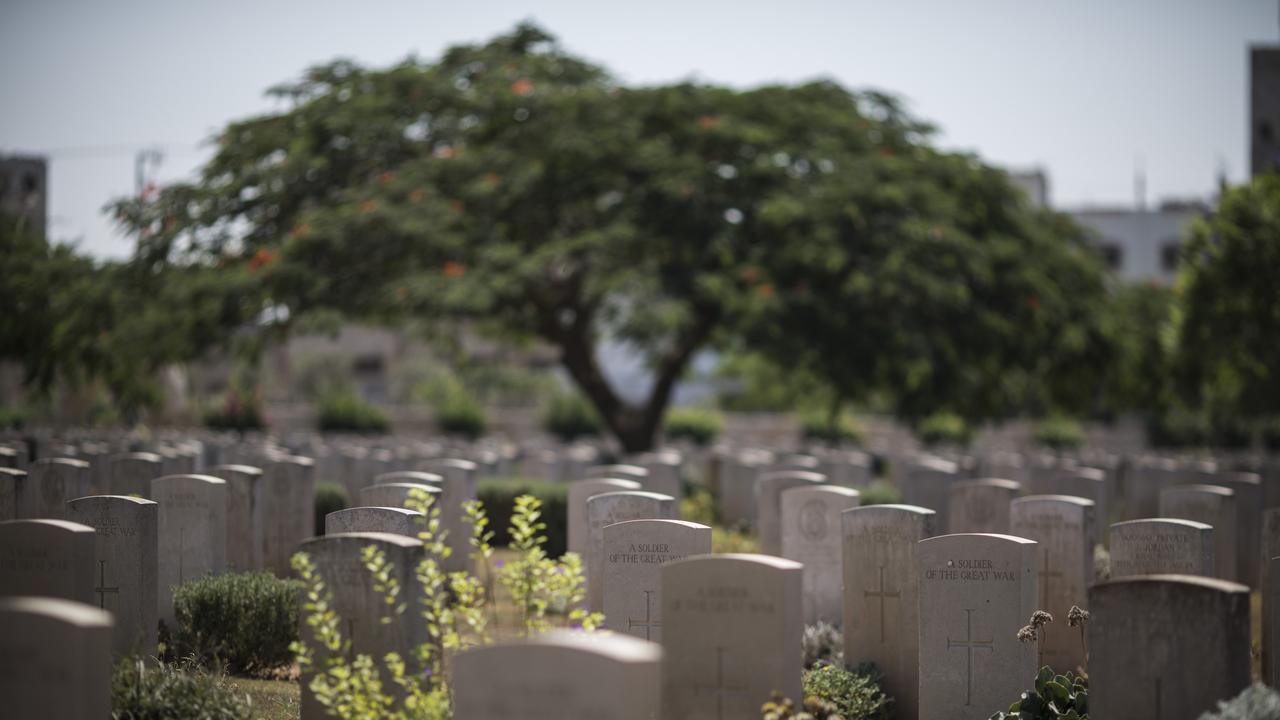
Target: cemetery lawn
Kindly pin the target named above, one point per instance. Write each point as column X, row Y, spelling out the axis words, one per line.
column 272, row 699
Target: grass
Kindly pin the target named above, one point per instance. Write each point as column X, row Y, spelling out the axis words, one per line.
column 271, row 699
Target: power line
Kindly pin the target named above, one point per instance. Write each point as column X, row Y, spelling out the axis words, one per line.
column 114, row 150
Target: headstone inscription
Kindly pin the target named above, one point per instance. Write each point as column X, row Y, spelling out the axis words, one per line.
column 51, row 482
column 394, row 520
column 634, row 553
column 811, row 535
column 47, row 558
column 1161, row 546
column 769, row 487
column 609, row 508
column 124, row 552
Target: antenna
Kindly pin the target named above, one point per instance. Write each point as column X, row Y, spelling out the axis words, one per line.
column 1139, row 184
column 151, row 156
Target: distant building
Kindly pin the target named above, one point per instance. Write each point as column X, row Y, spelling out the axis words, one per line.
column 1141, row 244
column 1264, row 109
column 1035, row 183
column 24, row 190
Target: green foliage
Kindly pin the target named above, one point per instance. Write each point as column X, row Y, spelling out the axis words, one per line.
column 1059, row 433
column 880, row 492
column 236, row 411
column 343, row 411
column 1140, row 327
column 944, row 428
column 1258, row 702
column 1178, row 428
column 834, row 693
column 244, row 622
column 458, row 413
column 143, row 690
column 498, row 495
column 697, row 425
column 823, row 427
column 732, row 540
column 755, row 383
column 822, row 642
column 570, row 416
column 1055, row 697
column 12, row 418
column 1228, row 326
column 330, row 497
column 699, row 505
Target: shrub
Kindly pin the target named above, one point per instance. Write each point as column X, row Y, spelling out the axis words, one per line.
column 344, row 411
column 235, row 411
column 498, row 495
column 699, row 505
column 1177, row 429
column 855, row 693
column 1059, row 433
column 944, row 428
column 570, row 416
column 699, row 426
column 733, row 541
column 12, row 418
column 241, row 621
column 142, row 691
column 458, row 413
column 822, row 642
column 822, row 428
column 330, row 497
column 1053, row 697
column 880, row 492
column 1253, row 703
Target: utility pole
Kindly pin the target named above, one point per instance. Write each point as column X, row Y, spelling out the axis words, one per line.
column 145, row 157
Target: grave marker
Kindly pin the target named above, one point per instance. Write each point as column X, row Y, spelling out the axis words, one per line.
column 769, row 488
column 1161, row 546
column 191, row 532
column 56, row 656
column 634, row 553
column 579, row 492
column 1214, row 506
column 927, row 483
column 609, row 508
column 47, row 558
column 981, row 506
column 132, row 473
column 394, row 520
column 244, row 516
column 50, row 484
column 125, row 545
column 811, row 535
column 288, row 510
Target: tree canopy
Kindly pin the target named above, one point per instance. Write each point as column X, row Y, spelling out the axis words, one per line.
column 523, row 191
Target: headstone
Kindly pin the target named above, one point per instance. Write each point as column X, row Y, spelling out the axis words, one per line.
column 457, row 488
column 288, row 510
column 125, row 555
column 132, row 473
column 1249, row 507
column 663, row 470
column 1063, row 527
column 49, row 558
column 1085, row 482
column 578, row 493
column 927, row 483
column 975, row 592
column 1143, row 483
column 811, row 535
column 560, row 674
column 395, row 494
column 881, row 595
column 624, row 472
column 981, row 506
column 769, row 488
column 12, row 488
column 731, row 629
column 634, row 553
column 1214, row 506
column 737, row 487
column 394, row 520
column 191, row 531
column 244, row 516
column 609, row 508
column 1161, row 546
column 1166, row 647
column 50, row 484
column 360, row 610
column 56, row 656
column 1271, row 624
column 408, row 476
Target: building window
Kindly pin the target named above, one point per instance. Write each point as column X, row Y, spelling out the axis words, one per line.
column 1112, row 255
column 1169, row 253
column 30, row 183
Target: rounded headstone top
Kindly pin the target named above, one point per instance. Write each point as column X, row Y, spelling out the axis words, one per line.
column 618, row 469
column 381, row 508
column 1069, row 499
column 130, row 498
column 65, row 611
column 70, row 462
column 891, row 508
column 1194, row 580
column 455, row 463
column 145, row 456
column 1174, row 521
column 1086, row 473
column 772, row 561
column 664, row 521
column 1251, row 478
column 822, row 489
column 425, row 486
column 1012, row 485
column 991, row 536
column 61, row 524
column 401, row 540
column 409, row 476
column 616, row 647
column 13, row 471
column 242, row 469
column 1201, row 488
column 803, row 475
column 189, row 477
column 659, row 497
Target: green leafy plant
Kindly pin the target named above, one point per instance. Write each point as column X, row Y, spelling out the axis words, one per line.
column 344, row 411
column 731, row 540
column 12, row 418
column 145, row 690
column 880, row 492
column 330, row 497
column 1054, row 697
column 1059, row 433
column 498, row 495
column 458, row 413
column 699, row 505
column 244, row 622
column 570, row 416
column 822, row 642
column 944, row 428
column 1258, row 702
column 834, row 693
column 697, row 425
column 822, row 427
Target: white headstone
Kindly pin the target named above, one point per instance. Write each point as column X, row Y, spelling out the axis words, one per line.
column 125, row 554
column 1214, row 506
column 609, row 508
column 769, row 488
column 244, row 516
column 811, row 535
column 981, row 506
column 56, row 656
column 1161, row 546
column 927, row 483
column 634, row 553
column 288, row 510
column 576, row 507
column 394, row 520
column 50, row 484
column 47, row 558
column 192, row 533
column 132, row 473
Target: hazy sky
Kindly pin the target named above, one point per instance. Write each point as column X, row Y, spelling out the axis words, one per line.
column 1082, row 88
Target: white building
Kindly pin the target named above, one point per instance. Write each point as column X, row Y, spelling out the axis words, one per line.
column 1141, row 244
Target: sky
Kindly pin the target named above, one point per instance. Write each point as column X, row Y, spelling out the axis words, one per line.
column 1088, row 90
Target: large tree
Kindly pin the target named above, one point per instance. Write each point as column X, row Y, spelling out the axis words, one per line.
column 527, row 192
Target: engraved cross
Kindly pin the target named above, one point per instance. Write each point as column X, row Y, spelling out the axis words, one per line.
column 1045, row 577
column 648, row 623
column 969, row 644
column 882, row 595
column 102, row 588
column 720, row 689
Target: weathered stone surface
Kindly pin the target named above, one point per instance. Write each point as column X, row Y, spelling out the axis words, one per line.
column 132, row 473
column 408, row 476
column 811, row 535
column 1161, row 546
column 1166, row 647
column 881, row 594
column 394, row 520
column 458, row 487
column 56, row 656
column 1143, row 483
column 244, row 516
column 192, row 533
column 579, row 491
column 561, row 674
column 737, row 487
column 663, row 470
column 288, row 510
column 927, row 483
column 1271, row 624
column 975, row 592
column 981, row 506
column 47, row 558
column 769, row 487
column 731, row 629
column 609, row 508
column 1214, row 506
column 624, row 472
column 1063, row 527
column 12, row 487
column 1249, row 507
column 634, row 553
column 125, row 555
column 50, row 484
column 1085, row 482
column 395, row 494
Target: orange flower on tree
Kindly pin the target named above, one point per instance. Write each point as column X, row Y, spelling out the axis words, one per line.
column 751, row 274
column 492, row 179
column 386, row 177
column 708, row 122
column 765, row 290
column 454, row 269
column 263, row 258
column 368, row 206
column 417, row 195
column 456, row 206
column 522, row 87
column 300, row 230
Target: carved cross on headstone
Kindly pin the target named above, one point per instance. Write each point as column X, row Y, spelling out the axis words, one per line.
column 882, row 595
column 720, row 689
column 648, row 623
column 969, row 644
column 1045, row 576
column 102, row 588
